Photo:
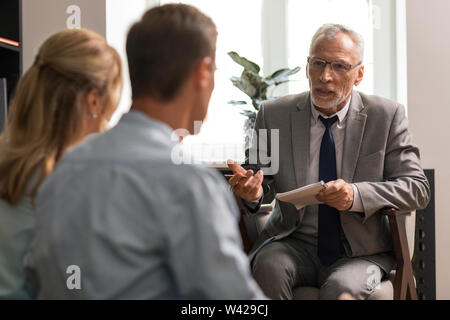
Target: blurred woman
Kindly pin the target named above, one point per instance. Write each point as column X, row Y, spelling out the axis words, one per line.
column 71, row 91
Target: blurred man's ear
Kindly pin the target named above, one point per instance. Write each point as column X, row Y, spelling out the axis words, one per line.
column 307, row 71
column 359, row 76
column 205, row 72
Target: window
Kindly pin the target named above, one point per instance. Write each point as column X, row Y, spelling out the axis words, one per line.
column 305, row 17
column 239, row 26
column 275, row 34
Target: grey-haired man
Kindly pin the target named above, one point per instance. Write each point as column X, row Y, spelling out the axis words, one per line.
column 361, row 146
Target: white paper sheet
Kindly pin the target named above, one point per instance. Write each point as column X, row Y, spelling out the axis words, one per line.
column 302, row 197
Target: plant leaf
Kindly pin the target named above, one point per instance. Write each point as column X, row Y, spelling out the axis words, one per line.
column 260, row 101
column 276, row 73
column 281, row 75
column 249, row 83
column 237, row 103
column 247, row 64
column 253, row 83
column 247, row 112
column 270, row 98
column 281, row 82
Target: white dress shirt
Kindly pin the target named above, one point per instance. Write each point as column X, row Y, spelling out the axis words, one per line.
column 309, row 227
column 338, row 131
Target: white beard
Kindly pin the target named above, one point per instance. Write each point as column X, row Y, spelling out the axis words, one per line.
column 332, row 104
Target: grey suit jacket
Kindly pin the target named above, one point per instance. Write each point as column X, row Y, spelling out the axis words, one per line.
column 378, row 156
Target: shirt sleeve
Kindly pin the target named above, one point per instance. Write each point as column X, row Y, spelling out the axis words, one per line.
column 204, row 246
column 357, row 202
column 254, row 205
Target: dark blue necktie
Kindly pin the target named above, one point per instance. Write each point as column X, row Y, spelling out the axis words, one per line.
column 328, row 244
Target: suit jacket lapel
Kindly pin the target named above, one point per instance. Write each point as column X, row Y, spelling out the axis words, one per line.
column 300, row 124
column 354, row 131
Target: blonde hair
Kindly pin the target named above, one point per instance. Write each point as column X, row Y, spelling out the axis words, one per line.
column 46, row 115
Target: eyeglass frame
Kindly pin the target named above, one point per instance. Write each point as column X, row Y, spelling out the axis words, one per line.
column 349, row 66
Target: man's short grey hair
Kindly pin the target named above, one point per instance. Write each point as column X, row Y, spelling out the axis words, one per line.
column 330, row 31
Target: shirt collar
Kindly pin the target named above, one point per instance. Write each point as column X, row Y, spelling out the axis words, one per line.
column 341, row 114
column 140, row 117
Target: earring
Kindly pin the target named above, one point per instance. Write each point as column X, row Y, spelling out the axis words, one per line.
column 93, row 115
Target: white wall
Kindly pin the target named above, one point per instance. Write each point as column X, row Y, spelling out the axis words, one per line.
column 42, row 18
column 429, row 112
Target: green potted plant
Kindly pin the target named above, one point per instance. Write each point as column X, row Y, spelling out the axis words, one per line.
column 256, row 88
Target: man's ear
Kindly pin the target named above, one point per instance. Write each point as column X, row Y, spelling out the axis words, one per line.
column 204, row 72
column 359, row 76
column 307, row 71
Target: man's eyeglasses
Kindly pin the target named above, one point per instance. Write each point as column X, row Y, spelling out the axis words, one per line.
column 339, row 67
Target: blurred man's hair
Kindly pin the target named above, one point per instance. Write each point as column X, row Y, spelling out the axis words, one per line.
column 164, row 48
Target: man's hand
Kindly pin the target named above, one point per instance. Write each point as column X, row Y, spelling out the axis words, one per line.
column 338, row 194
column 244, row 183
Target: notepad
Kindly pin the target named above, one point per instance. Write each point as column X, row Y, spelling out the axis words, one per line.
column 304, row 196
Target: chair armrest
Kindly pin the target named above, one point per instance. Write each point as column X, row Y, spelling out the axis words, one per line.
column 404, row 285
column 393, row 212
column 250, row 224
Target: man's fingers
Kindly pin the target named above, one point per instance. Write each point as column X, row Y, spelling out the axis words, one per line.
column 333, row 187
column 251, row 184
column 254, row 181
column 260, row 176
column 235, row 167
column 330, row 190
column 235, row 179
column 232, row 181
column 327, row 197
column 248, row 177
column 243, row 181
column 337, row 205
column 334, row 196
column 258, row 179
column 253, row 189
column 247, row 185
